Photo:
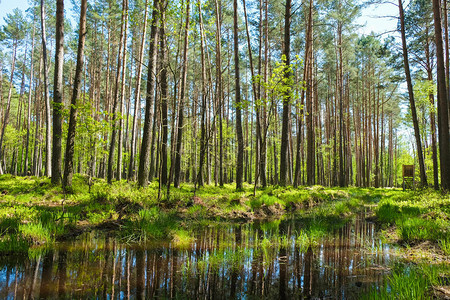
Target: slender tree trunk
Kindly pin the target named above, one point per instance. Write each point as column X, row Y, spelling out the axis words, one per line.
column 155, row 138
column 122, row 100
column 70, row 145
column 137, row 96
column 219, row 92
column 310, row 138
column 122, row 49
column 432, row 121
column 182, row 96
column 16, row 157
column 447, row 51
column 340, row 87
column 423, row 175
column 150, row 98
column 164, row 97
column 8, row 104
column 286, row 98
column 239, row 135
column 443, row 126
column 48, row 170
column 264, row 121
column 37, row 137
column 27, row 140
column 203, row 141
column 297, row 171
column 58, row 93
column 257, row 101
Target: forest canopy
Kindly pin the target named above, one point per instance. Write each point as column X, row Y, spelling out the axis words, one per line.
column 211, row 92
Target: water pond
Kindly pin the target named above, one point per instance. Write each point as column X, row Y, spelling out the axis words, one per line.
column 274, row 260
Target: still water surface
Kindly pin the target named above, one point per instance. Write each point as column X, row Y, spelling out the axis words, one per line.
column 226, row 261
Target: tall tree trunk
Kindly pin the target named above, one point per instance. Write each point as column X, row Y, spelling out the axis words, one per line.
column 120, row 145
column 137, row 96
column 112, row 145
column 150, row 98
column 48, row 171
column 203, row 141
column 443, row 126
column 340, row 87
column 27, row 139
column 447, row 51
column 286, row 97
column 257, row 101
column 58, row 93
column 239, row 135
column 37, row 137
column 70, row 145
column 264, row 121
column 310, row 138
column 432, row 115
column 19, row 123
column 8, row 103
column 297, row 171
column 219, row 92
column 164, row 97
column 423, row 175
column 176, row 181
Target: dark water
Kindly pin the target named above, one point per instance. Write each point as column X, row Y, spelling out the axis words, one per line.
column 249, row 261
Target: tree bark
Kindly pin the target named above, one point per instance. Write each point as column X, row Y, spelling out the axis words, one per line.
column 219, row 92
column 164, row 97
column 150, row 98
column 112, row 144
column 137, row 96
column 239, row 135
column 70, row 145
column 286, row 98
column 8, row 103
column 177, row 170
column 120, row 145
column 27, row 139
column 58, row 93
column 443, row 126
column 48, row 170
column 423, row 175
column 310, row 138
column 203, row 141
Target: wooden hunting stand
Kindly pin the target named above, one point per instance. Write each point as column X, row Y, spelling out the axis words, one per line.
column 408, row 177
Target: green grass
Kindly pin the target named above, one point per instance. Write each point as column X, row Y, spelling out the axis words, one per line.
column 408, row 282
column 149, row 224
column 418, row 216
column 182, row 238
column 445, row 245
column 33, row 210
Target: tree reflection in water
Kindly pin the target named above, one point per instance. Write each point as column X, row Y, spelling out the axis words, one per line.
column 226, row 261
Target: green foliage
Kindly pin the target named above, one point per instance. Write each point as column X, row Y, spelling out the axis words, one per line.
column 418, row 216
column 13, row 244
column 15, row 26
column 410, row 282
column 150, row 223
column 388, row 212
column 445, row 245
column 182, row 238
column 418, row 229
column 256, row 203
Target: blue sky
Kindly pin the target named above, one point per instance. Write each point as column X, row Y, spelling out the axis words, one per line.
column 372, row 17
column 7, row 6
column 379, row 18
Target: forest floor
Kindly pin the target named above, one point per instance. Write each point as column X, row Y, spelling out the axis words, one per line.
column 34, row 212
